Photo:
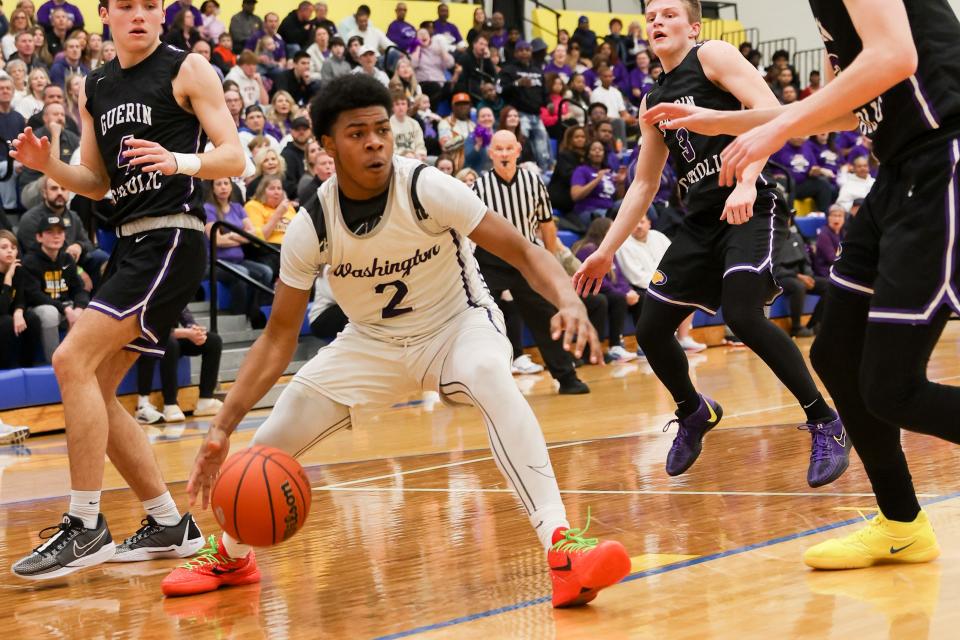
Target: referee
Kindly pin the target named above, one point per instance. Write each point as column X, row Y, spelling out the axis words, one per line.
column 521, row 197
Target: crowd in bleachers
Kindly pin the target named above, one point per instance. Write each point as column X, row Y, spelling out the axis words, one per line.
column 573, row 107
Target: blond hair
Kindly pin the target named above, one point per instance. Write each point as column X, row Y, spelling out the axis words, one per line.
column 694, row 10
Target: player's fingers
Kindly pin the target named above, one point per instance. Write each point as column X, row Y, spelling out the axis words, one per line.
column 569, row 330
column 581, row 340
column 578, row 282
column 556, row 326
column 139, row 142
column 597, row 284
column 595, row 348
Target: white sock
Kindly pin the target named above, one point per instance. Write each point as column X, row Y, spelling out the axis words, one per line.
column 234, row 549
column 546, row 521
column 86, row 506
column 171, row 407
column 143, row 401
column 163, row 509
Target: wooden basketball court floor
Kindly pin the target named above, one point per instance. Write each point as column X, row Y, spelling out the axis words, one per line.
column 412, row 532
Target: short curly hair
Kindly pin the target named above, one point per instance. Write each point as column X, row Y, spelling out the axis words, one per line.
column 346, row 93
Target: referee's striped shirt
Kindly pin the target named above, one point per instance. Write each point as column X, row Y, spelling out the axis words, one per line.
column 523, row 201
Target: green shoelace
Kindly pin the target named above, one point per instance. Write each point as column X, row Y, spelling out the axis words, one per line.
column 209, row 554
column 573, row 540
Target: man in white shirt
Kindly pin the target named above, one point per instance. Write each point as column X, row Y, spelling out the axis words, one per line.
column 856, row 184
column 611, row 97
column 248, row 80
column 368, row 65
column 372, row 37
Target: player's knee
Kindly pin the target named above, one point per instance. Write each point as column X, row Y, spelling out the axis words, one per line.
column 887, row 392
column 66, row 363
column 650, row 332
column 742, row 318
column 820, row 358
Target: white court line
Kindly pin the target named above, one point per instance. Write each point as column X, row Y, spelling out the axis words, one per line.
column 635, row 492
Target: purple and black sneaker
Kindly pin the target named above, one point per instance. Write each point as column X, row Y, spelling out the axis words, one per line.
column 689, row 441
column 829, row 452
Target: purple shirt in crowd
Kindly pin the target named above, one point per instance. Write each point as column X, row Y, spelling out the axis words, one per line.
column 602, row 195
column 639, row 80
column 828, row 244
column 235, row 215
column 43, row 13
column 564, row 72
column 403, row 35
column 827, row 158
column 799, row 160
column 175, row 8
column 447, row 27
column 497, row 40
column 607, row 285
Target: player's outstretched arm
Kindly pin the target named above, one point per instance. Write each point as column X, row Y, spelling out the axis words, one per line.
column 261, row 368
column 89, row 178
column 547, row 278
column 646, row 183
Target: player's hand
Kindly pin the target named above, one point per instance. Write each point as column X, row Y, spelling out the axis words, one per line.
column 31, row 151
column 206, row 467
column 150, row 156
column 684, row 116
column 756, row 144
column 589, row 276
column 572, row 324
column 739, row 206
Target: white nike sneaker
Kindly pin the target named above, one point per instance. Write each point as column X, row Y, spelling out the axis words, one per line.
column 207, row 407
column 524, row 365
column 10, row 434
column 172, row 413
column 148, row 414
column 692, row 346
column 619, row 354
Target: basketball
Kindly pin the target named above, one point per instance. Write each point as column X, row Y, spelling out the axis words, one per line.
column 262, row 496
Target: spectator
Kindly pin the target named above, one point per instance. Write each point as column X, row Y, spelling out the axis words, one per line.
column 476, row 155
column 478, row 26
column 325, row 316
column 368, row 65
column 54, row 290
column 614, row 287
column 336, row 65
column 319, row 51
column 19, row 327
column 44, row 13
column 321, row 167
column 255, row 124
column 224, row 49
column 510, row 121
column 20, row 22
column 429, row 122
column 70, row 64
column 244, row 298
column 430, row 60
column 349, row 24
column 12, row 124
column 514, row 35
column 187, row 339
column 297, row 82
column 183, row 33
column 26, row 51
column 297, row 28
column 594, row 188
column 555, row 112
column 584, row 37
column 523, row 88
column 244, row 24
column 857, row 184
column 476, row 68
column 202, row 47
column 498, row 37
column 809, row 179
column 177, row 7
column 109, row 52
column 640, row 81
column 17, row 71
column 54, row 117
column 266, row 52
column 558, row 64
column 271, row 213
column 789, row 94
column 456, row 129
column 578, row 98
column 402, row 32
column 93, row 52
column 211, row 27
column 824, row 145
column 813, row 87
column 635, row 41
column 577, row 63
column 572, row 152
column 77, row 242
column 282, row 112
column 407, row 134
column 828, row 241
column 271, row 23
column 603, row 131
column 321, row 19
column 442, row 25
column 55, row 35
column 445, row 164
column 53, row 94
column 294, row 154
column 781, row 61
column 468, row 176
column 373, row 38
column 491, row 99
column 249, row 81
column 32, row 103
column 234, row 105
column 267, row 162
column 795, row 274
column 610, row 96
column 405, row 80
column 784, row 78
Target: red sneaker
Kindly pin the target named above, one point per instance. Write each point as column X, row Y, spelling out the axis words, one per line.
column 209, row 570
column 580, row 567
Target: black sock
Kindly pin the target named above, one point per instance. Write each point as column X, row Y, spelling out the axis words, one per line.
column 688, row 407
column 819, row 411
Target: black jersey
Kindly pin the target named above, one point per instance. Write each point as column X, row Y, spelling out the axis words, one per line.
column 697, row 156
column 925, row 107
column 139, row 103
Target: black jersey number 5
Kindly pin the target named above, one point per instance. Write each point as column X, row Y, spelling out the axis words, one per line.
column 392, row 310
column 683, row 137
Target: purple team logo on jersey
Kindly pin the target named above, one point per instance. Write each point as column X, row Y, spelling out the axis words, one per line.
column 122, row 160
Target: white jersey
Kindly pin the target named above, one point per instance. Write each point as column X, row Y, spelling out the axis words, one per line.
column 411, row 274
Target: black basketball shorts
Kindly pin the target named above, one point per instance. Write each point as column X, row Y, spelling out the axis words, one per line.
column 153, row 274
column 707, row 249
column 901, row 248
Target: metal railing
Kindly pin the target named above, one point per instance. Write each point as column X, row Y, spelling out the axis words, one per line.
column 736, row 38
column 768, row 47
column 556, row 16
column 806, row 61
column 215, row 263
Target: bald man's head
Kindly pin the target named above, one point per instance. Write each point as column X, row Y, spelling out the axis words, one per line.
column 504, row 151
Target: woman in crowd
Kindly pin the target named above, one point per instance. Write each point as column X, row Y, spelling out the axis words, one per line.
column 510, row 121
column 430, row 62
column 32, row 102
column 17, row 71
column 556, row 111
column 825, row 146
column 479, row 17
column 183, row 34
column 641, row 82
column 445, row 164
column 19, row 22
column 93, row 54
column 578, row 98
column 595, row 189
column 108, row 52
column 268, row 162
column 828, row 241
column 283, row 110
column 40, row 46
column 19, row 328
column 468, row 177
column 270, row 212
column 212, row 26
column 475, row 148
column 571, row 154
column 405, row 79
column 244, row 298
column 319, row 51
column 73, row 84
column 614, row 286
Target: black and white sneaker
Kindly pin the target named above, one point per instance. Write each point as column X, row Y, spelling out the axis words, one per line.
column 70, row 546
column 154, row 540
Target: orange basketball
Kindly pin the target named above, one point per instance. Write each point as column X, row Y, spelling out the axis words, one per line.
column 261, row 497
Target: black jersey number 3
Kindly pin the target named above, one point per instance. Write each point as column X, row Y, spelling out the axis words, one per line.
column 391, row 310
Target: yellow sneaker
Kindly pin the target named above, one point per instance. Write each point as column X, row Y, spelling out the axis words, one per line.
column 881, row 541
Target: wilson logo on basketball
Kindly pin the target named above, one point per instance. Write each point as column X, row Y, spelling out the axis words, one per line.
column 290, row 521
column 659, row 277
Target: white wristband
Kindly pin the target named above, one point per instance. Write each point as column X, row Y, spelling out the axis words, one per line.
column 187, row 163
